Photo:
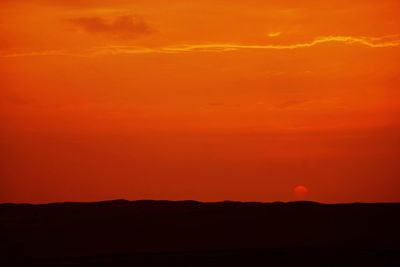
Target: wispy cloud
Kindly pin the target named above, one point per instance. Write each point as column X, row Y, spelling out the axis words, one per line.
column 274, row 34
column 43, row 53
column 372, row 42
column 128, row 27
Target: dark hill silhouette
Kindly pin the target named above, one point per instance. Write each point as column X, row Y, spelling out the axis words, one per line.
column 190, row 233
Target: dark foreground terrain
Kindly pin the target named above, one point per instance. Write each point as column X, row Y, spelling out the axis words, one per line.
column 162, row 233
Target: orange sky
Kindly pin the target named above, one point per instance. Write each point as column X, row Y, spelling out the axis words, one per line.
column 206, row 100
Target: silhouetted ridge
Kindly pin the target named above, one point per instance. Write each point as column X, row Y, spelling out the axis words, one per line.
column 138, row 232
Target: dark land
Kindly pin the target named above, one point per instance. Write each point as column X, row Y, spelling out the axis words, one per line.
column 189, row 233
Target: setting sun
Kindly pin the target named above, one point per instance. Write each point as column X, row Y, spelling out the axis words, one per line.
column 300, row 192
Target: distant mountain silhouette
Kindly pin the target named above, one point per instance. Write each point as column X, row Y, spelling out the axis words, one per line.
column 190, row 233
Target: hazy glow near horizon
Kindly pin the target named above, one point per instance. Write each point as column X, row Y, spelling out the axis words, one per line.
column 206, row 100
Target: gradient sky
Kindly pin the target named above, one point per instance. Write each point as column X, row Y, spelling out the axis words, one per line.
column 206, row 100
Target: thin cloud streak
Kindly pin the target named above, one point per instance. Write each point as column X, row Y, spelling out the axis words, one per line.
column 372, row 42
